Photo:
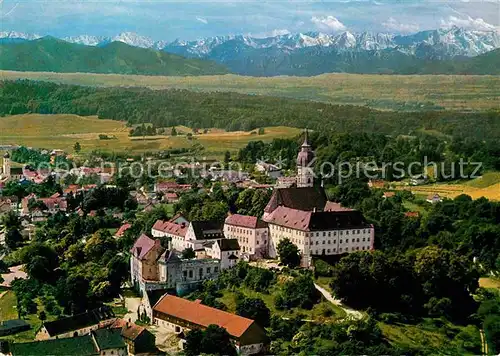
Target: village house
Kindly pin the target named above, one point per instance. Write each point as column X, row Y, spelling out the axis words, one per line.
column 181, row 315
column 434, row 198
column 119, row 233
column 171, row 187
column 14, row 326
column 388, row 195
column 227, row 251
column 76, row 325
column 98, row 342
column 8, row 204
column 268, row 169
column 200, row 232
column 138, row 339
column 176, row 231
column 184, row 234
column 51, row 205
column 171, row 198
column 109, row 342
column 251, row 233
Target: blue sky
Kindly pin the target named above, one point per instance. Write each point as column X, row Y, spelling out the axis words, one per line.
column 168, row 20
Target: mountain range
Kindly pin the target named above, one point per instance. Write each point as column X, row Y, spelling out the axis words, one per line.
column 434, row 51
column 49, row 54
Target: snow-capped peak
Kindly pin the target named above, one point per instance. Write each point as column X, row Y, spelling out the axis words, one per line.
column 19, row 35
column 133, row 39
column 87, row 40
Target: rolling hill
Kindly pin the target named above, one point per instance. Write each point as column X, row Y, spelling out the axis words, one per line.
column 52, row 55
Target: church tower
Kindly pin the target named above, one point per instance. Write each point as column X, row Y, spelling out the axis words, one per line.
column 6, row 165
column 305, row 174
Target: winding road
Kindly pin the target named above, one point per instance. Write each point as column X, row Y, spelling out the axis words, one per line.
column 351, row 313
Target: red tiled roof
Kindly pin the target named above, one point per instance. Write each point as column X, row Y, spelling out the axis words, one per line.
column 389, row 194
column 202, row 315
column 316, row 220
column 251, row 222
column 332, row 206
column 171, row 228
column 171, row 195
column 122, row 229
column 129, row 330
column 143, row 245
column 292, row 218
column 412, row 214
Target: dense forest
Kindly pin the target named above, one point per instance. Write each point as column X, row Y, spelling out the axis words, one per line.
column 49, row 54
column 231, row 111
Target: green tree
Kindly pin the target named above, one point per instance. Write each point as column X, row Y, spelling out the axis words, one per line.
column 13, row 238
column 214, row 340
column 42, row 316
column 77, row 147
column 11, row 221
column 261, row 131
column 255, row 309
column 298, row 292
column 289, row 253
column 188, row 253
column 227, row 157
column 492, row 329
column 174, row 131
column 100, row 243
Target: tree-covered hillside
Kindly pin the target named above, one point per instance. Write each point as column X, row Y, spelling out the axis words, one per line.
column 232, row 111
column 52, row 55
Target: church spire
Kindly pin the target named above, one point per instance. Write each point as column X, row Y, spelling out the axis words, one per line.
column 306, row 136
column 305, row 158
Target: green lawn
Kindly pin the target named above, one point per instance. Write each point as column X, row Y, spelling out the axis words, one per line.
column 8, row 311
column 8, row 306
column 436, row 336
column 63, row 130
column 412, row 206
column 324, row 282
column 485, row 180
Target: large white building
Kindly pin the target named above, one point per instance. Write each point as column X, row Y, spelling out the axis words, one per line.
column 317, row 226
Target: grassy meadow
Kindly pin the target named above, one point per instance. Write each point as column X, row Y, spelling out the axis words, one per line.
column 487, row 186
column 387, row 92
column 62, row 131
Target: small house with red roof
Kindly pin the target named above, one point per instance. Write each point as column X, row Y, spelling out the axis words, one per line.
column 122, row 230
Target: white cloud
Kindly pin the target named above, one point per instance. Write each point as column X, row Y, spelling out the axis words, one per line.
column 393, row 25
column 202, row 20
column 328, row 23
column 273, row 33
column 469, row 23
column 279, row 32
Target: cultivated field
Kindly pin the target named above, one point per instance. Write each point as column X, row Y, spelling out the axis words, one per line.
column 391, row 92
column 62, row 131
column 487, row 186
